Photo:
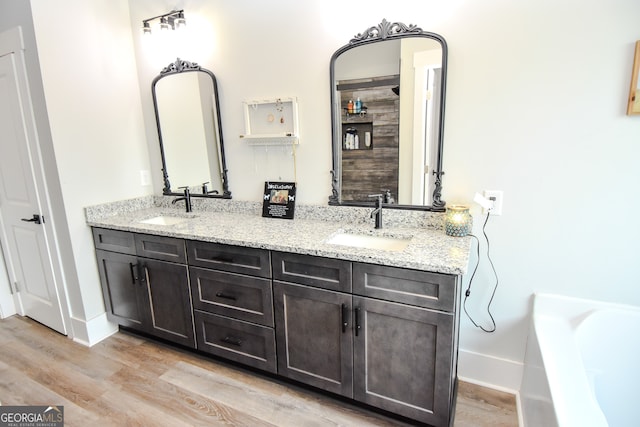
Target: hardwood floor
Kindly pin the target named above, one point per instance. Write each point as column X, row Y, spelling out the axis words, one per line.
column 127, row 380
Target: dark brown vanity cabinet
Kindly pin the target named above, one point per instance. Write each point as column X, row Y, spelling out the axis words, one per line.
column 384, row 336
column 233, row 302
column 386, row 339
column 145, row 283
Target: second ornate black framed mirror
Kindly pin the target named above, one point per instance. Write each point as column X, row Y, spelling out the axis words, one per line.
column 388, row 88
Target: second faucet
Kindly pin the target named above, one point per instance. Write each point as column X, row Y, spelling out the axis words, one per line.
column 377, row 212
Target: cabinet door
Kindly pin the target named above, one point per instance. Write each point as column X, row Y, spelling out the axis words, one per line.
column 403, row 359
column 313, row 337
column 169, row 298
column 123, row 294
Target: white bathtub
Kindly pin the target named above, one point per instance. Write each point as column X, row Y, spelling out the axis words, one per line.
column 582, row 365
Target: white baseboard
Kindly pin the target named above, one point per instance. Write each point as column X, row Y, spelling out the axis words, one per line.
column 93, row 331
column 519, row 408
column 489, row 371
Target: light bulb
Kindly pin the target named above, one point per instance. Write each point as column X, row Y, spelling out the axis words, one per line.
column 180, row 22
column 146, row 29
column 164, row 25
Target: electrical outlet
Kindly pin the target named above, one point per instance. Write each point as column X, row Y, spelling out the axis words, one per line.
column 496, row 198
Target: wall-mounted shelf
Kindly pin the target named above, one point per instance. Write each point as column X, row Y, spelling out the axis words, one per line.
column 361, row 113
column 271, row 122
column 364, row 132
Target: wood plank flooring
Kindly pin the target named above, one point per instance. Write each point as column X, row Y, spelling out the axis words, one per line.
column 127, row 380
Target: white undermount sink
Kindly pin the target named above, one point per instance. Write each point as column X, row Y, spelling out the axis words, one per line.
column 386, row 243
column 164, row 220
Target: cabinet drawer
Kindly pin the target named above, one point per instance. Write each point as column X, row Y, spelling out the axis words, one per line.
column 421, row 288
column 236, row 340
column 235, row 259
column 114, row 240
column 233, row 295
column 327, row 273
column 161, row 247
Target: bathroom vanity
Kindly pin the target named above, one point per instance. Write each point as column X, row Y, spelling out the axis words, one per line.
column 379, row 326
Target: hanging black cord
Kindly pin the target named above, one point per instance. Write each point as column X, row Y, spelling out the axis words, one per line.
column 495, row 288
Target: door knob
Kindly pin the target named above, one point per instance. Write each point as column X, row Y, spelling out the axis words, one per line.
column 36, row 218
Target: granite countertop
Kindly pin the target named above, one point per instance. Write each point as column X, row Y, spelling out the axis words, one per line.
column 429, row 249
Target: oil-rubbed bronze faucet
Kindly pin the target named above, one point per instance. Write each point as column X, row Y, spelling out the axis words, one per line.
column 186, row 198
column 205, row 189
column 377, row 212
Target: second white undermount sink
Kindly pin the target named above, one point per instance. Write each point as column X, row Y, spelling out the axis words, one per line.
column 164, row 220
column 386, row 243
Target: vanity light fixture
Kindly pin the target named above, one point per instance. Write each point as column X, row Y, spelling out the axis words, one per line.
column 173, row 20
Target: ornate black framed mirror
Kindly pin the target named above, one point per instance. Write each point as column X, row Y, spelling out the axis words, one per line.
column 388, row 88
column 185, row 99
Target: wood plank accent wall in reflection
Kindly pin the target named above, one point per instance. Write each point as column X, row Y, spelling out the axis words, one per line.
column 371, row 171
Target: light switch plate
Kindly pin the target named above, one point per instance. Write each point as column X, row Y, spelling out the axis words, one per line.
column 145, row 178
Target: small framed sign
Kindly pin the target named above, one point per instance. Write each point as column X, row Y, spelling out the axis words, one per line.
column 279, row 199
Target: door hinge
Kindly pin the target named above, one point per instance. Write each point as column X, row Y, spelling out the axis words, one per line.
column 429, row 95
column 16, row 285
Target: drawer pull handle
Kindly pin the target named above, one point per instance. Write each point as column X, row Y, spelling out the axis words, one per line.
column 357, row 321
column 226, row 259
column 345, row 322
column 232, row 341
column 144, row 274
column 133, row 267
column 225, row 296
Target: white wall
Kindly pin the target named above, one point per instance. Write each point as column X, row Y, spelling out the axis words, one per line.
column 535, row 107
column 88, row 72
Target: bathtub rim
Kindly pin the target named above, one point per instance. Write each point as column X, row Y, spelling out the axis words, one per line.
column 563, row 315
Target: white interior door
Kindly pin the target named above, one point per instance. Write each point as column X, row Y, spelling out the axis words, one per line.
column 22, row 216
column 7, row 305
